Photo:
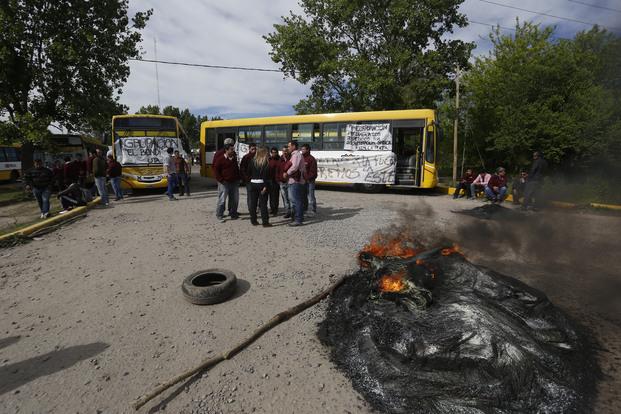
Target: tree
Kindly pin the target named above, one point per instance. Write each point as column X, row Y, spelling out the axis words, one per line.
column 534, row 93
column 370, row 54
column 63, row 62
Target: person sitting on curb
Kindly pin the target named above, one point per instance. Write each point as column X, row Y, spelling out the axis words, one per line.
column 39, row 180
column 71, row 197
column 465, row 184
column 496, row 188
column 479, row 183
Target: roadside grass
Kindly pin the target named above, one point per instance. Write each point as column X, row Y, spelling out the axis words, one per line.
column 16, row 227
column 12, row 193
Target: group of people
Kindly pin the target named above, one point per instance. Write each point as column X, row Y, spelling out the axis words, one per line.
column 269, row 178
column 525, row 188
column 76, row 181
column 178, row 173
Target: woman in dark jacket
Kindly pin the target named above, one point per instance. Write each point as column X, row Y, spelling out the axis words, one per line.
column 258, row 189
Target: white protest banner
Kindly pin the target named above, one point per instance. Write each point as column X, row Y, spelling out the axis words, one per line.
column 372, row 167
column 241, row 149
column 368, row 137
column 145, row 150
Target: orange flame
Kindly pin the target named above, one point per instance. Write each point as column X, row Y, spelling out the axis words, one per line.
column 451, row 250
column 382, row 245
column 392, row 283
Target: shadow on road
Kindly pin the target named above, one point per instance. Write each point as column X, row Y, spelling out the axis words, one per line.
column 9, row 341
column 15, row 375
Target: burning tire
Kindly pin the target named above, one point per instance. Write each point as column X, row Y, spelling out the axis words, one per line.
column 208, row 287
column 434, row 333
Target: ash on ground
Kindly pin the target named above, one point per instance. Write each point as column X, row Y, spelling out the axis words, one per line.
column 487, row 343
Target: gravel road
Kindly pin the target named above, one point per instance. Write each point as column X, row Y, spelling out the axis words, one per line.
column 93, row 316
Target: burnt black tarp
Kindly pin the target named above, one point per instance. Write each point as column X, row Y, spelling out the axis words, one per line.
column 488, row 343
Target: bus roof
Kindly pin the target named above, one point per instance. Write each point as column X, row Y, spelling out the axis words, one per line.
column 142, row 116
column 319, row 118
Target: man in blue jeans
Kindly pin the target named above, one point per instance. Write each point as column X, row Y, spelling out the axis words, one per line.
column 295, row 179
column 39, row 179
column 170, row 169
column 99, row 171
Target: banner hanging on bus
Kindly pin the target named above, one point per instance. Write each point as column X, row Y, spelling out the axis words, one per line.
column 368, row 137
column 362, row 168
column 145, row 150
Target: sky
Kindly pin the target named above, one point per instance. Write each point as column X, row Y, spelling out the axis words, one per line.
column 216, row 32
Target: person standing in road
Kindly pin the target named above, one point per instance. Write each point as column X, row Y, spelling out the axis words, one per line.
column 183, row 174
column 243, row 170
column 295, row 177
column 99, row 172
column 274, row 188
column 285, row 163
column 310, row 165
column 170, row 169
column 227, row 174
column 220, row 152
column 115, row 171
column 258, row 186
column 535, row 180
column 39, row 180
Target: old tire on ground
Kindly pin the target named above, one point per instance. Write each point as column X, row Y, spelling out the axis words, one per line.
column 207, row 287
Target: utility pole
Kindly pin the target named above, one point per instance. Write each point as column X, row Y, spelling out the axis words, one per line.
column 458, row 73
column 157, row 77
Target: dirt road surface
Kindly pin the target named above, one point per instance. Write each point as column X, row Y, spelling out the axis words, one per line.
column 93, row 316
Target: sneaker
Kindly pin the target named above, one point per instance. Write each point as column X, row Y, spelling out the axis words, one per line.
column 41, row 216
column 254, row 223
column 266, row 225
column 220, row 219
column 294, row 224
column 172, row 199
column 287, row 215
column 63, row 212
column 234, row 217
column 45, row 215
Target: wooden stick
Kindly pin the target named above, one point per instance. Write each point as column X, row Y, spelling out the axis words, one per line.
column 207, row 363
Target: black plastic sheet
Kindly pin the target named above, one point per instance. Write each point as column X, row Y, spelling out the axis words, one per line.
column 487, row 343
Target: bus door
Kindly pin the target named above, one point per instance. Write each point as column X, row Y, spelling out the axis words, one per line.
column 224, row 133
column 408, row 147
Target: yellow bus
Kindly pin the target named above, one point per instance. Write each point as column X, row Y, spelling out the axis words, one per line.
column 139, row 144
column 370, row 150
column 10, row 162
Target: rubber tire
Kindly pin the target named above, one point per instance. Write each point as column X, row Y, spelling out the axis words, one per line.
column 370, row 188
column 210, row 294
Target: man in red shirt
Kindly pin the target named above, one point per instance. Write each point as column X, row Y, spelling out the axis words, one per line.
column 465, row 184
column 220, row 152
column 310, row 175
column 227, row 175
column 496, row 188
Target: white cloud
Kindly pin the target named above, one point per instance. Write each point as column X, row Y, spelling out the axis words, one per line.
column 230, row 34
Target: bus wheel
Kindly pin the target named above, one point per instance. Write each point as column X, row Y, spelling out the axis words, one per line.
column 370, row 188
column 208, row 287
column 14, row 176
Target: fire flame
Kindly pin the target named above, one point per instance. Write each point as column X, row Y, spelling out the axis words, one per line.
column 392, row 283
column 382, row 245
column 451, row 250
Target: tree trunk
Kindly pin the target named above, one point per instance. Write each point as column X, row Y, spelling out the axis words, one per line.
column 27, row 152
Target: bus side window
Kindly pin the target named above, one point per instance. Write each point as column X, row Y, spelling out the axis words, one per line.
column 276, row 135
column 11, row 154
column 251, row 134
column 430, row 148
column 3, row 157
column 333, row 136
column 306, row 133
column 210, row 139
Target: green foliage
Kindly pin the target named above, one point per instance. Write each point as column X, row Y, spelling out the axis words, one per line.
column 362, row 55
column 534, row 93
column 63, row 62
